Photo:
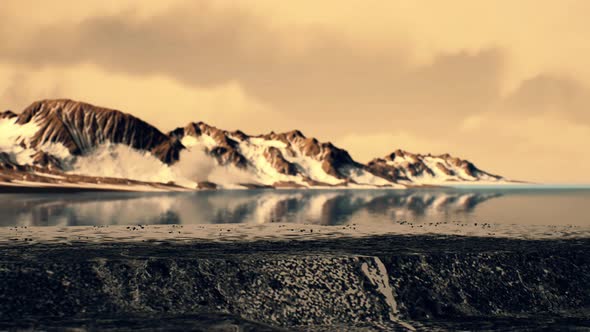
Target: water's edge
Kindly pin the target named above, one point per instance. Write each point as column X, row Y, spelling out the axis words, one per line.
column 386, row 282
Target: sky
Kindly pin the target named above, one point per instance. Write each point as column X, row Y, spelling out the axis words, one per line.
column 505, row 84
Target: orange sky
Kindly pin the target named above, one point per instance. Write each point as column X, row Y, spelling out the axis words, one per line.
column 505, row 84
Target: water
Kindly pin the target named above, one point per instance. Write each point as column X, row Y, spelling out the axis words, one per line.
column 556, row 207
column 372, row 260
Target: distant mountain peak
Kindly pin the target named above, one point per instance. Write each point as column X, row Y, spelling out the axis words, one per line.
column 428, row 168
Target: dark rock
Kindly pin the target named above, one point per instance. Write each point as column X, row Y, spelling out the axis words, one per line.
column 7, row 115
column 278, row 162
column 80, row 127
column 335, row 284
column 7, row 163
column 206, row 185
column 45, row 160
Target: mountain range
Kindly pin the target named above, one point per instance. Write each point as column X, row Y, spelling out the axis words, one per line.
column 69, row 144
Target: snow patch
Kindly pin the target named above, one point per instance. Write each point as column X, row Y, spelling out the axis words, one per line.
column 379, row 277
column 363, row 177
column 11, row 133
column 263, row 171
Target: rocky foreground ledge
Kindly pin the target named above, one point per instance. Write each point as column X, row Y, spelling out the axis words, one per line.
column 374, row 283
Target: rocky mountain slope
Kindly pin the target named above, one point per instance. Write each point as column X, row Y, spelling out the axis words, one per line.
column 406, row 167
column 63, row 142
column 280, row 160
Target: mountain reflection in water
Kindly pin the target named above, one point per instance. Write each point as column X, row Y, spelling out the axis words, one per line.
column 314, row 207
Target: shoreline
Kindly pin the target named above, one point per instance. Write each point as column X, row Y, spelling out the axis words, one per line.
column 182, row 234
column 6, row 188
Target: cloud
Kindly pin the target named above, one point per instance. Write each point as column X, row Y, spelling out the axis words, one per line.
column 551, row 94
column 324, row 83
column 203, row 45
column 156, row 99
column 372, row 76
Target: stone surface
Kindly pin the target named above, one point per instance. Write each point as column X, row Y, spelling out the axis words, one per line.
column 375, row 283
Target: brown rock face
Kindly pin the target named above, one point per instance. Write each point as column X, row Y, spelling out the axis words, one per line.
column 7, row 115
column 418, row 168
column 168, row 151
column 469, row 168
column 229, row 156
column 221, row 137
column 293, row 137
column 206, row 185
column 403, row 165
column 256, row 186
column 465, row 165
column 309, row 147
column 278, row 162
column 190, row 130
column 400, row 154
column 45, row 160
column 335, row 159
column 379, row 168
column 80, row 127
column 239, row 135
column 445, row 170
column 225, row 152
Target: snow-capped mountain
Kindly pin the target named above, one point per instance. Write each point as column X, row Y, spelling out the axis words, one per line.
column 406, row 167
column 279, row 160
column 81, row 127
column 64, row 143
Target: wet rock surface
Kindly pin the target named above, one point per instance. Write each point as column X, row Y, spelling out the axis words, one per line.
column 376, row 283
